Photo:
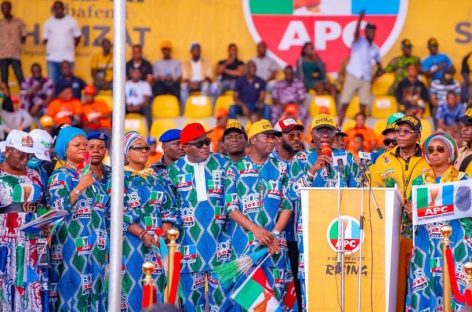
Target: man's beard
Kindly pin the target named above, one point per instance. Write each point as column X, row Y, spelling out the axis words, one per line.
column 288, row 148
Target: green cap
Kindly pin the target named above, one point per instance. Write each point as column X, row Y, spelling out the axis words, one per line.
column 391, row 121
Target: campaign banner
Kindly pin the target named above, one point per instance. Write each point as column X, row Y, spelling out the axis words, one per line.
column 441, row 202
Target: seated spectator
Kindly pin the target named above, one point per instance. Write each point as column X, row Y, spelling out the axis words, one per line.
column 448, row 115
column 137, row 93
column 229, row 70
column 266, row 66
column 217, row 134
column 154, row 154
column 96, row 115
column 368, row 134
column 436, row 63
column 137, row 61
column 37, row 91
column 196, row 74
column 357, row 145
column 339, row 140
column 398, row 65
column 13, row 116
column 441, row 87
column 102, row 67
column 167, row 72
column 466, row 72
column 311, row 69
column 411, row 94
column 288, row 91
column 65, row 109
column 249, row 95
column 68, row 79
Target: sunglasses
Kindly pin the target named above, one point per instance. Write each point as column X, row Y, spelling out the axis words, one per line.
column 140, row 148
column 440, row 149
column 200, row 144
column 322, row 132
column 387, row 142
column 404, row 131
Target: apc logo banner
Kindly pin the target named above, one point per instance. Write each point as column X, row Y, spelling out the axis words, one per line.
column 285, row 25
column 442, row 202
column 351, row 231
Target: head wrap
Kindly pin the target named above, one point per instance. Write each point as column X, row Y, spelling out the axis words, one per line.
column 130, row 138
column 63, row 139
column 447, row 140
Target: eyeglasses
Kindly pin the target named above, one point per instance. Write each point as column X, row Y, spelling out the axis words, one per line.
column 440, row 149
column 406, row 132
column 322, row 132
column 140, row 148
column 387, row 142
column 200, row 144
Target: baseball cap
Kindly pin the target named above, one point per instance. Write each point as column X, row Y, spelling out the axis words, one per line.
column 234, row 125
column 191, row 132
column 46, row 121
column 194, row 45
column 90, row 90
column 288, row 124
column 339, row 132
column 391, row 122
column 261, row 126
column 467, row 118
column 166, row 44
column 432, row 42
column 412, row 121
column 323, row 120
column 42, row 142
column 21, row 141
column 170, row 135
column 97, row 135
column 406, row 43
column 370, row 26
column 151, row 141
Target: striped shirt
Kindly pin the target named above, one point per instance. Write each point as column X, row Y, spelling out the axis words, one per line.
column 440, row 90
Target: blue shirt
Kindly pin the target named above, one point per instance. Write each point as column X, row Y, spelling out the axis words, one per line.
column 431, row 62
column 75, row 83
column 363, row 55
column 249, row 91
column 450, row 115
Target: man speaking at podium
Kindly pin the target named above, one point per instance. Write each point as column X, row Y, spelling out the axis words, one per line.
column 322, row 166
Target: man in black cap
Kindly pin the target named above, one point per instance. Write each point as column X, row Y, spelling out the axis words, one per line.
column 399, row 64
column 234, row 140
column 464, row 160
column 339, row 142
column 436, row 63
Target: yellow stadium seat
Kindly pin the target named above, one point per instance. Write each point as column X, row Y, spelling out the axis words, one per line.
column 165, row 106
column 353, row 107
column 311, row 92
column 379, row 126
column 427, row 129
column 383, row 83
column 203, row 121
column 159, row 126
column 427, row 111
column 280, row 75
column 229, row 92
column 331, row 79
column 268, row 99
column 424, row 80
column 197, row 106
column 320, row 101
column 224, row 101
column 384, row 106
column 348, row 124
column 107, row 98
column 136, row 122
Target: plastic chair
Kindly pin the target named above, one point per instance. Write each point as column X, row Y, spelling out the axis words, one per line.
column 427, row 129
column 224, row 101
column 159, row 126
column 203, row 121
column 136, row 122
column 383, row 83
column 320, row 101
column 197, row 106
column 165, row 106
column 348, row 124
column 353, row 108
column 379, row 126
column 107, row 98
column 384, row 106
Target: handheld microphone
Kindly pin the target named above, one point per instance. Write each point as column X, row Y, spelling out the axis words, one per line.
column 326, row 151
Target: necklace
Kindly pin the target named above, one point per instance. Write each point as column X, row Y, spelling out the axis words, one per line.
column 68, row 163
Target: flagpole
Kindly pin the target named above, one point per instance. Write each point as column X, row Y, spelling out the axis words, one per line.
column 117, row 176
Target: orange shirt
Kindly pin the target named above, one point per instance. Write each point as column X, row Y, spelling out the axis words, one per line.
column 216, row 136
column 367, row 133
column 63, row 111
column 95, row 111
column 154, row 158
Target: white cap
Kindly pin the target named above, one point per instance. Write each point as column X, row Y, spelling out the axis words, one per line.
column 21, row 141
column 3, row 145
column 42, row 142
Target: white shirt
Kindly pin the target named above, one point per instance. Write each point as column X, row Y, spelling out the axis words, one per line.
column 196, row 70
column 363, row 56
column 60, row 34
column 200, row 180
column 265, row 67
column 136, row 91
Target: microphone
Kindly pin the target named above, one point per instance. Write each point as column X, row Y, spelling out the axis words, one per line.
column 340, row 160
column 326, row 151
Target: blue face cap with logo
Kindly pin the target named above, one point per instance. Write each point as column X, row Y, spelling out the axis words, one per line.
column 96, row 135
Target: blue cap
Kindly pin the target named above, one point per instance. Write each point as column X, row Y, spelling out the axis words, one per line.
column 151, row 140
column 170, row 135
column 96, row 135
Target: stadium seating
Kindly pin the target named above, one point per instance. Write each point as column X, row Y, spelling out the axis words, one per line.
column 348, row 124
column 427, row 129
column 224, row 101
column 379, row 126
column 159, row 126
column 353, row 107
column 136, row 122
column 165, row 106
column 383, row 83
column 427, row 112
column 384, row 106
column 197, row 106
column 107, row 98
column 320, row 101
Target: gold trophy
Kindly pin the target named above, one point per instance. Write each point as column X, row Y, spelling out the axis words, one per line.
column 446, row 232
column 172, row 235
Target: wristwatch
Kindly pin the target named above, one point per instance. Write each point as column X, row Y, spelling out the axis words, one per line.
column 276, row 233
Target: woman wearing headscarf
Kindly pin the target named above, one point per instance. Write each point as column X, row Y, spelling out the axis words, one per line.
column 20, row 195
column 425, row 280
column 147, row 215
column 98, row 145
column 79, row 246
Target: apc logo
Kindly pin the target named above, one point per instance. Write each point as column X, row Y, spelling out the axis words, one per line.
column 285, row 25
column 352, row 234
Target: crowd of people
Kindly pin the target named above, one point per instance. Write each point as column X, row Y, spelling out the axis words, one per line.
column 231, row 190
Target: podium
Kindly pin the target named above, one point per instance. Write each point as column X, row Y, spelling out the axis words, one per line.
column 379, row 241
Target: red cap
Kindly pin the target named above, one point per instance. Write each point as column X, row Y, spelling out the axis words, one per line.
column 191, row 132
column 286, row 125
column 90, row 90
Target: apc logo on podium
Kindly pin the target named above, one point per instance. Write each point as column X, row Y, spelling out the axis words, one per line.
column 352, row 235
